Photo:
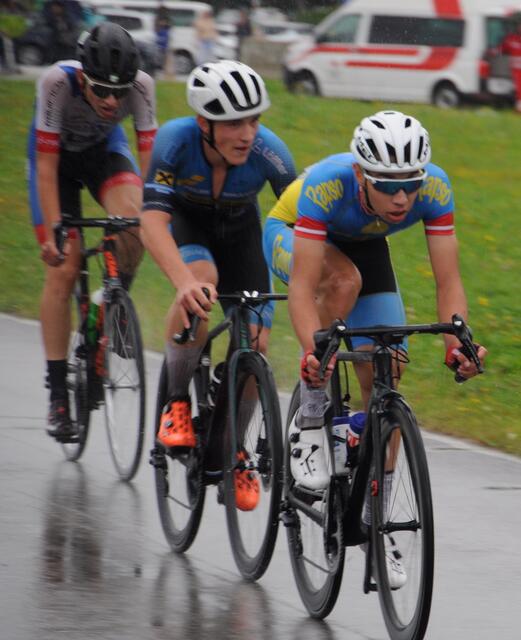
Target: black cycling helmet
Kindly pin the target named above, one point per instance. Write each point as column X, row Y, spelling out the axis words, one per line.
column 108, row 54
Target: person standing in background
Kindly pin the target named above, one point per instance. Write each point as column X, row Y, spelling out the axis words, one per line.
column 243, row 31
column 511, row 46
column 206, row 37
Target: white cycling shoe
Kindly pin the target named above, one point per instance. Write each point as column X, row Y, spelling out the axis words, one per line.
column 307, row 460
column 396, row 573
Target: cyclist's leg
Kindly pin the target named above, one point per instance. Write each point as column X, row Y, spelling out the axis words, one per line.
column 113, row 178
column 58, row 285
column 176, row 427
column 379, row 301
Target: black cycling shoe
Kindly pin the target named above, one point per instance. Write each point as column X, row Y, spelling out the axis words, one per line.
column 96, row 392
column 61, row 426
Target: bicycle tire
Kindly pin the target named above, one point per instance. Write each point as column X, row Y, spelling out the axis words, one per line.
column 318, row 571
column 124, row 384
column 78, row 363
column 403, row 511
column 180, row 489
column 258, row 440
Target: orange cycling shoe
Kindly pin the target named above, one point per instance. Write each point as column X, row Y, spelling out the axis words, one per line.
column 247, row 489
column 176, row 428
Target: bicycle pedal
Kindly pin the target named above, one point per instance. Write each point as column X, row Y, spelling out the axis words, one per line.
column 157, row 459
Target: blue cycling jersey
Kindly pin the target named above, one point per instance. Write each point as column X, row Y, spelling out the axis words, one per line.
column 330, row 206
column 181, row 177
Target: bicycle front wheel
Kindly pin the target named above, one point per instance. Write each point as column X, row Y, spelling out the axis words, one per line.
column 313, row 521
column 180, row 489
column 124, row 384
column 255, row 462
column 403, row 529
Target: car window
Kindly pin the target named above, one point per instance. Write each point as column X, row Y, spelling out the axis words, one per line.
column 127, row 22
column 181, row 17
column 343, row 30
column 497, row 29
column 442, row 32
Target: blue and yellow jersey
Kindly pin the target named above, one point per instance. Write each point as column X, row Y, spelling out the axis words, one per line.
column 180, row 174
column 324, row 202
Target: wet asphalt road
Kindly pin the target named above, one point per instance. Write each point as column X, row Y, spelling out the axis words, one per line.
column 82, row 555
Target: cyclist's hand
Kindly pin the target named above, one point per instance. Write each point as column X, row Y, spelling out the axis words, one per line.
column 50, row 254
column 457, row 360
column 193, row 300
column 310, row 370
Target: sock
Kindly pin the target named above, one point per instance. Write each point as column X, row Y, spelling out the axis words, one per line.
column 57, row 375
column 181, row 363
column 312, row 406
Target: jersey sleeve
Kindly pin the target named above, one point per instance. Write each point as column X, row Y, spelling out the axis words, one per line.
column 167, row 152
column 321, row 195
column 436, row 201
column 279, row 161
column 53, row 90
column 143, row 107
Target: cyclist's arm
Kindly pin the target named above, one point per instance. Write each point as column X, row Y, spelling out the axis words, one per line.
column 48, row 195
column 157, row 239
column 450, row 294
column 144, row 161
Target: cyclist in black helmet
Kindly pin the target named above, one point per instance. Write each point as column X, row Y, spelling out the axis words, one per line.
column 76, row 140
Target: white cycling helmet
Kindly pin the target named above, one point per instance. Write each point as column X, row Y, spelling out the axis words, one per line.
column 391, row 141
column 226, row 90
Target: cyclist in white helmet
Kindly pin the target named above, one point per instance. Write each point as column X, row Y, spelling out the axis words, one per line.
column 201, row 219
column 329, row 230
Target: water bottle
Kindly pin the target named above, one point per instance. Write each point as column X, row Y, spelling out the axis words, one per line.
column 356, row 424
column 215, row 381
column 92, row 316
column 339, row 430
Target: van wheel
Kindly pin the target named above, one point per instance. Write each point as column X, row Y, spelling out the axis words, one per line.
column 183, row 62
column 31, row 55
column 446, row 96
column 304, row 84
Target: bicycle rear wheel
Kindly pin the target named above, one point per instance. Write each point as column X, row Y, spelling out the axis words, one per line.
column 124, row 384
column 180, row 489
column 257, row 452
column 403, row 521
column 313, row 521
column 77, row 387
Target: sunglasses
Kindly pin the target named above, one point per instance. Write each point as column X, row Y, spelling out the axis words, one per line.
column 391, row 186
column 102, row 90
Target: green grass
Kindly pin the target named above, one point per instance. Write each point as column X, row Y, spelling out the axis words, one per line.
column 479, row 148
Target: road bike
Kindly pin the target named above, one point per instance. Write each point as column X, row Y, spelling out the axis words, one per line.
column 106, row 368
column 238, row 428
column 381, row 499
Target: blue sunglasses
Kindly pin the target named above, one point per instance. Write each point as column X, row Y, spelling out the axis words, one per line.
column 391, row 186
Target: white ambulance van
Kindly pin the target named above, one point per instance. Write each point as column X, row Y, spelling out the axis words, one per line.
column 410, row 50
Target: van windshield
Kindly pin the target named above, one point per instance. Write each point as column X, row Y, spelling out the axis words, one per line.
column 497, row 29
column 440, row 32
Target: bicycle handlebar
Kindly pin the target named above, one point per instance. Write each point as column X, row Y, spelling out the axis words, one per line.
column 248, row 298
column 112, row 225
column 327, row 341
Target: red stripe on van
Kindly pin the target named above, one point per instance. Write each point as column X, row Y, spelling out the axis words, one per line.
column 439, row 58
column 448, row 8
column 391, row 51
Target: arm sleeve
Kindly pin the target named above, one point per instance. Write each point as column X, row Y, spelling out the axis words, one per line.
column 437, row 203
column 52, row 92
column 143, row 106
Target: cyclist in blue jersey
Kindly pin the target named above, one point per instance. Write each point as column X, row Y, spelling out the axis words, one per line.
column 76, row 141
column 329, row 229
column 201, row 219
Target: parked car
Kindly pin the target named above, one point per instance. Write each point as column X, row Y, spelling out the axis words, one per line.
column 38, row 45
column 183, row 37
column 283, row 31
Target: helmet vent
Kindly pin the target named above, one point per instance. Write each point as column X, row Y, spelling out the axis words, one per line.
column 373, row 148
column 407, row 122
column 420, row 147
column 378, row 124
column 198, row 83
column 114, row 60
column 407, row 153
column 214, row 107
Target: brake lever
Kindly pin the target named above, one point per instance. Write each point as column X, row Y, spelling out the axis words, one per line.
column 188, row 333
column 60, row 235
column 468, row 348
